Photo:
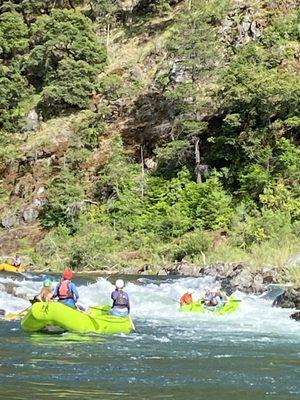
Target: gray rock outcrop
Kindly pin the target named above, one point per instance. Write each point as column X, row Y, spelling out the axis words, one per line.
column 31, row 122
column 8, row 221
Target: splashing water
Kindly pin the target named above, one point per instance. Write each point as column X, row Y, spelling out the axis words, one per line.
column 250, row 354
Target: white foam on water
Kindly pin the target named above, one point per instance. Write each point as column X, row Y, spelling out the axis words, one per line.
column 155, row 302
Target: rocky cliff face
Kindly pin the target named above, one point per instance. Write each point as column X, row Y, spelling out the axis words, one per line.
column 143, row 74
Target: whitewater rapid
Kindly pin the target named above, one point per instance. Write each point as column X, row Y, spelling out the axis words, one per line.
column 155, row 302
column 251, row 354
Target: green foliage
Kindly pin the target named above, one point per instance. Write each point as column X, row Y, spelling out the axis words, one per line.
column 112, row 87
column 253, row 180
column 214, row 210
column 259, row 95
column 91, row 127
column 8, row 150
column 64, row 201
column 64, row 34
column 240, row 104
column 117, row 172
column 283, row 28
column 190, row 246
column 74, row 83
column 13, row 35
column 172, row 157
column 287, row 161
column 13, row 89
column 66, row 59
column 278, row 197
column 196, row 40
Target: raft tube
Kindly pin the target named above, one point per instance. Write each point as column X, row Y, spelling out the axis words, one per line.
column 232, row 305
column 10, row 268
column 44, row 316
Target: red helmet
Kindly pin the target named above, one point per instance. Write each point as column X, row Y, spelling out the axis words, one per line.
column 67, row 274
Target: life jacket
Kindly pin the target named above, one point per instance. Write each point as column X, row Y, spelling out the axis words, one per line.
column 186, row 299
column 64, row 291
column 121, row 300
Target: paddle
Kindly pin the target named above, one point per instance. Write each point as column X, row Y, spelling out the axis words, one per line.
column 132, row 324
column 11, row 317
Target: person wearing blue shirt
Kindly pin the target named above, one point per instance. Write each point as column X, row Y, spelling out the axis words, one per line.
column 66, row 290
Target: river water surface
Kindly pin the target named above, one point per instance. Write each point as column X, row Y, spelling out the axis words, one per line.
column 251, row 354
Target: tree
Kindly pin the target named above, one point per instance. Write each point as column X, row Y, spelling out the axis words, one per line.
column 72, row 87
column 65, row 60
column 13, row 35
column 13, row 88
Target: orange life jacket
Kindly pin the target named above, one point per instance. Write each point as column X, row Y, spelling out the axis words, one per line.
column 186, row 298
column 64, row 291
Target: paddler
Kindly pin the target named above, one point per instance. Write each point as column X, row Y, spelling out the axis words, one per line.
column 46, row 293
column 207, row 298
column 187, row 298
column 216, row 297
column 66, row 290
column 17, row 261
column 121, row 306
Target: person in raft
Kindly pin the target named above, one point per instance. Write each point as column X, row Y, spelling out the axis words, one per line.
column 216, row 299
column 121, row 306
column 208, row 296
column 66, row 291
column 17, row 261
column 46, row 293
column 187, row 297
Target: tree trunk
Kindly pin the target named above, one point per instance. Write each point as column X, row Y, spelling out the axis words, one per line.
column 198, row 161
column 143, row 172
column 107, row 37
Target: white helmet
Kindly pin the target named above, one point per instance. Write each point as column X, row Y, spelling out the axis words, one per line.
column 190, row 291
column 119, row 283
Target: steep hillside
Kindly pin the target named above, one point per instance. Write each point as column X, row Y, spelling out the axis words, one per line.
column 138, row 133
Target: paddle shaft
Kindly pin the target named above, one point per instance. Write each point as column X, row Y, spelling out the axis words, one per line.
column 132, row 324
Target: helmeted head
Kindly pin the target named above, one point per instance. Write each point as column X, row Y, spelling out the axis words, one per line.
column 207, row 289
column 47, row 282
column 119, row 283
column 190, row 291
column 215, row 290
column 67, row 274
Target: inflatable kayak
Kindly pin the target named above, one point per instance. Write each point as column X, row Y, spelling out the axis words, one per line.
column 232, row 305
column 10, row 268
column 58, row 317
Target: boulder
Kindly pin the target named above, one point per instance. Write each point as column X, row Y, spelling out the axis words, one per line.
column 257, row 284
column 296, row 316
column 162, row 272
column 187, row 269
column 31, row 122
column 8, row 221
column 30, row 215
column 289, row 299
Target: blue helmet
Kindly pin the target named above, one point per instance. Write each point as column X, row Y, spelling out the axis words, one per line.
column 47, row 282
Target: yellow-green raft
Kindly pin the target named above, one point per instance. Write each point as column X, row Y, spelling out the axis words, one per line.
column 47, row 316
column 231, row 306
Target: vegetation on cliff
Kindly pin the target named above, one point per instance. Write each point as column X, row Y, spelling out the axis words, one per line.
column 164, row 130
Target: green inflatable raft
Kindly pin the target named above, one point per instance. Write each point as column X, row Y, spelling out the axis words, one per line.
column 232, row 305
column 58, row 317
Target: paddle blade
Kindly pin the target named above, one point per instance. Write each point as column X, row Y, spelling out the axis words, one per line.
column 14, row 317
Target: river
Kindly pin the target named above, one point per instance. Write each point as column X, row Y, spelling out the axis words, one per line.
column 251, row 354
